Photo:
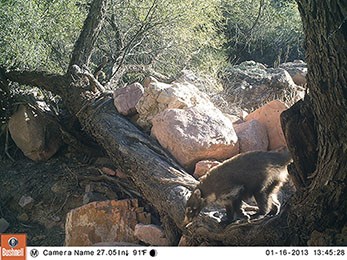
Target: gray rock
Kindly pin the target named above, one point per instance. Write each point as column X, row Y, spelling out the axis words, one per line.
column 26, row 201
column 297, row 70
column 251, row 84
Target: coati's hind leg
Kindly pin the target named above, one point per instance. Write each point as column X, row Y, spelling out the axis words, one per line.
column 276, row 205
column 267, row 201
column 264, row 203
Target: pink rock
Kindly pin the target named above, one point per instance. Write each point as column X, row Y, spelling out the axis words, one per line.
column 121, row 174
column 103, row 221
column 269, row 116
column 108, row 171
column 194, row 134
column 252, row 136
column 151, row 234
column 202, row 167
column 125, row 99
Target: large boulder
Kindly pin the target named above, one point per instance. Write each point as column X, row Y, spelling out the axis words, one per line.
column 160, row 96
column 195, row 133
column 37, row 134
column 269, row 116
column 252, row 84
column 297, row 70
column 252, row 136
column 126, row 98
column 105, row 221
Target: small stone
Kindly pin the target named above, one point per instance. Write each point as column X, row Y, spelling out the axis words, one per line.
column 26, row 201
column 4, row 225
column 202, row 167
column 88, row 188
column 297, row 70
column 23, row 217
column 59, row 187
column 108, row 171
column 243, row 114
column 56, row 218
column 151, row 234
column 121, row 174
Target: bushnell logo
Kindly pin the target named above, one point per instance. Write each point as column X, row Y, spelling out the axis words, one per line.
column 13, row 242
column 13, row 247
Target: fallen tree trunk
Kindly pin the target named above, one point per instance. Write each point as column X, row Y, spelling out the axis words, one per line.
column 160, row 179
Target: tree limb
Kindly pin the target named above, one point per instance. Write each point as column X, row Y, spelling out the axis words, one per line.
column 49, row 81
column 140, row 31
column 91, row 28
column 260, row 10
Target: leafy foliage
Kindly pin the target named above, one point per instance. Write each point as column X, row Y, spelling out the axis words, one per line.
column 140, row 37
column 267, row 31
column 161, row 35
column 39, row 34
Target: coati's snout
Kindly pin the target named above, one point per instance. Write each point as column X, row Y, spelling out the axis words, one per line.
column 194, row 205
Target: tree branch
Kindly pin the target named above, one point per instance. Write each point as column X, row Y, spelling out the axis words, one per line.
column 261, row 7
column 91, row 28
column 139, row 32
column 48, row 81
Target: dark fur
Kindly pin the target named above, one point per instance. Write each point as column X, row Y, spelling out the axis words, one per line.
column 259, row 174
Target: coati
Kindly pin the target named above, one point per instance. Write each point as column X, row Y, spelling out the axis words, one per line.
column 259, row 174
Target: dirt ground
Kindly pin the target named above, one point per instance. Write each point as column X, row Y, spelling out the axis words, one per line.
column 56, row 187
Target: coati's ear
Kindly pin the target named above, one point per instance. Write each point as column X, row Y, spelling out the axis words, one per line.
column 197, row 193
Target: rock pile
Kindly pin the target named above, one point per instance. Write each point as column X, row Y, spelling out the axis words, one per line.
column 251, row 85
column 186, row 123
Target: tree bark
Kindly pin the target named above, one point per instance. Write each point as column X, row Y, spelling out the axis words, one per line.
column 302, row 144
column 322, row 205
column 92, row 26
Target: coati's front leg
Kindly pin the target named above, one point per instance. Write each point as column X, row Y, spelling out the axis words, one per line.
column 235, row 211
